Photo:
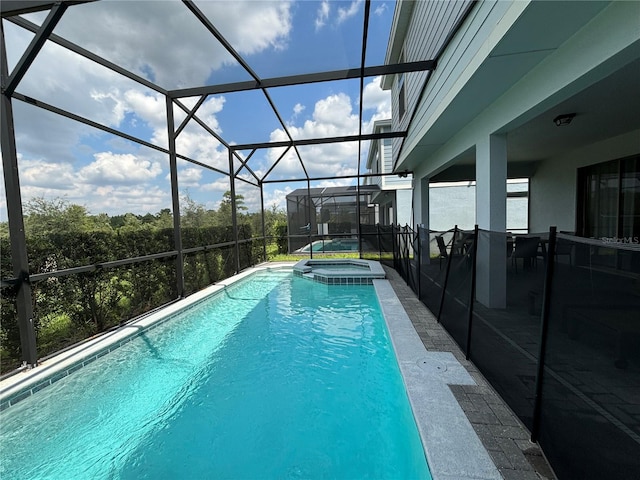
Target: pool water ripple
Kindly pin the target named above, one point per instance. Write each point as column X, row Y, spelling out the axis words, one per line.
column 275, row 378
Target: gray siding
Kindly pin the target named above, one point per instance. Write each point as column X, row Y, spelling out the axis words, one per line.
column 387, row 159
column 430, row 25
column 481, row 22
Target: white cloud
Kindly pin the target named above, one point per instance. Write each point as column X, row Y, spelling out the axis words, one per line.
column 277, row 196
column 346, row 13
column 183, row 52
column 112, row 183
column 342, row 14
column 263, row 24
column 221, row 185
column 323, row 14
column 117, row 199
column 149, row 106
column 298, row 109
column 51, row 180
column 120, row 169
column 380, row 9
column 332, row 116
column 374, row 98
column 188, row 177
column 53, row 176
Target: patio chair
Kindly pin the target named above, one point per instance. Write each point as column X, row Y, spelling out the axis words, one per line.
column 565, row 248
column 525, row 248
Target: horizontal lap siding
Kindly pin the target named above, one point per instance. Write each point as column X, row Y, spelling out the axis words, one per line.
column 478, row 27
column 387, row 159
column 428, row 30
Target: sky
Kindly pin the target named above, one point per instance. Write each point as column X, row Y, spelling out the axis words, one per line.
column 163, row 42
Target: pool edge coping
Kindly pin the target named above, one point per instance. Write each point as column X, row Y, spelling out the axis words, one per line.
column 452, row 447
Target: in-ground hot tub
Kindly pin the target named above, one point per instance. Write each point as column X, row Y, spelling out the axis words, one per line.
column 343, row 271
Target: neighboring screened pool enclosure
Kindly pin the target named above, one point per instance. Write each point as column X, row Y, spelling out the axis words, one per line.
column 323, row 215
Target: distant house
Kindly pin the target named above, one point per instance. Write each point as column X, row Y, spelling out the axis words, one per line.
column 393, row 201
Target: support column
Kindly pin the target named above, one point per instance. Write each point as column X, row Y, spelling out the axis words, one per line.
column 422, row 218
column 234, row 215
column 175, row 199
column 20, row 261
column 491, row 215
column 264, row 231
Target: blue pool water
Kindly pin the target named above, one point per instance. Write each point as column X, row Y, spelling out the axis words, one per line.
column 277, row 377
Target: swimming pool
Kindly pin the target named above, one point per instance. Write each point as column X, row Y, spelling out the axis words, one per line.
column 335, row 245
column 276, row 377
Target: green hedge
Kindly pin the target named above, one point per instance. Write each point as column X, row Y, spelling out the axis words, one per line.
column 70, row 308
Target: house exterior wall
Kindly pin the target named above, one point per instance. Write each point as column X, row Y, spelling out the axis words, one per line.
column 554, row 184
column 403, row 207
column 394, row 198
column 455, row 66
column 425, row 35
column 559, row 75
column 391, row 182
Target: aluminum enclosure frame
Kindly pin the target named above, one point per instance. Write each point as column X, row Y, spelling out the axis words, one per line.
column 11, row 9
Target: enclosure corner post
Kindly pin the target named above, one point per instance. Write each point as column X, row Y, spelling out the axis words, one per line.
column 175, row 198
column 234, row 213
column 264, row 233
column 17, row 237
column 418, row 260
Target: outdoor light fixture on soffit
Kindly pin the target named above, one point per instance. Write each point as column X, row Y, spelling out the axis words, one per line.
column 565, row 119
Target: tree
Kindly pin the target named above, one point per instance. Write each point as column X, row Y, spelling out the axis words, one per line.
column 224, row 211
column 131, row 222
column 193, row 214
column 164, row 219
column 99, row 223
column 54, row 216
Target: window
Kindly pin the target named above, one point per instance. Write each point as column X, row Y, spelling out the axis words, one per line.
column 609, row 200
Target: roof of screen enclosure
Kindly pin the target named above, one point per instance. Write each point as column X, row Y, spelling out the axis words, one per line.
column 188, row 98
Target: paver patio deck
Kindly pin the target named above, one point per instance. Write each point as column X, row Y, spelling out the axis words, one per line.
column 501, row 432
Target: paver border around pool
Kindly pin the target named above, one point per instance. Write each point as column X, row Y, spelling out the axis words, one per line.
column 452, row 447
